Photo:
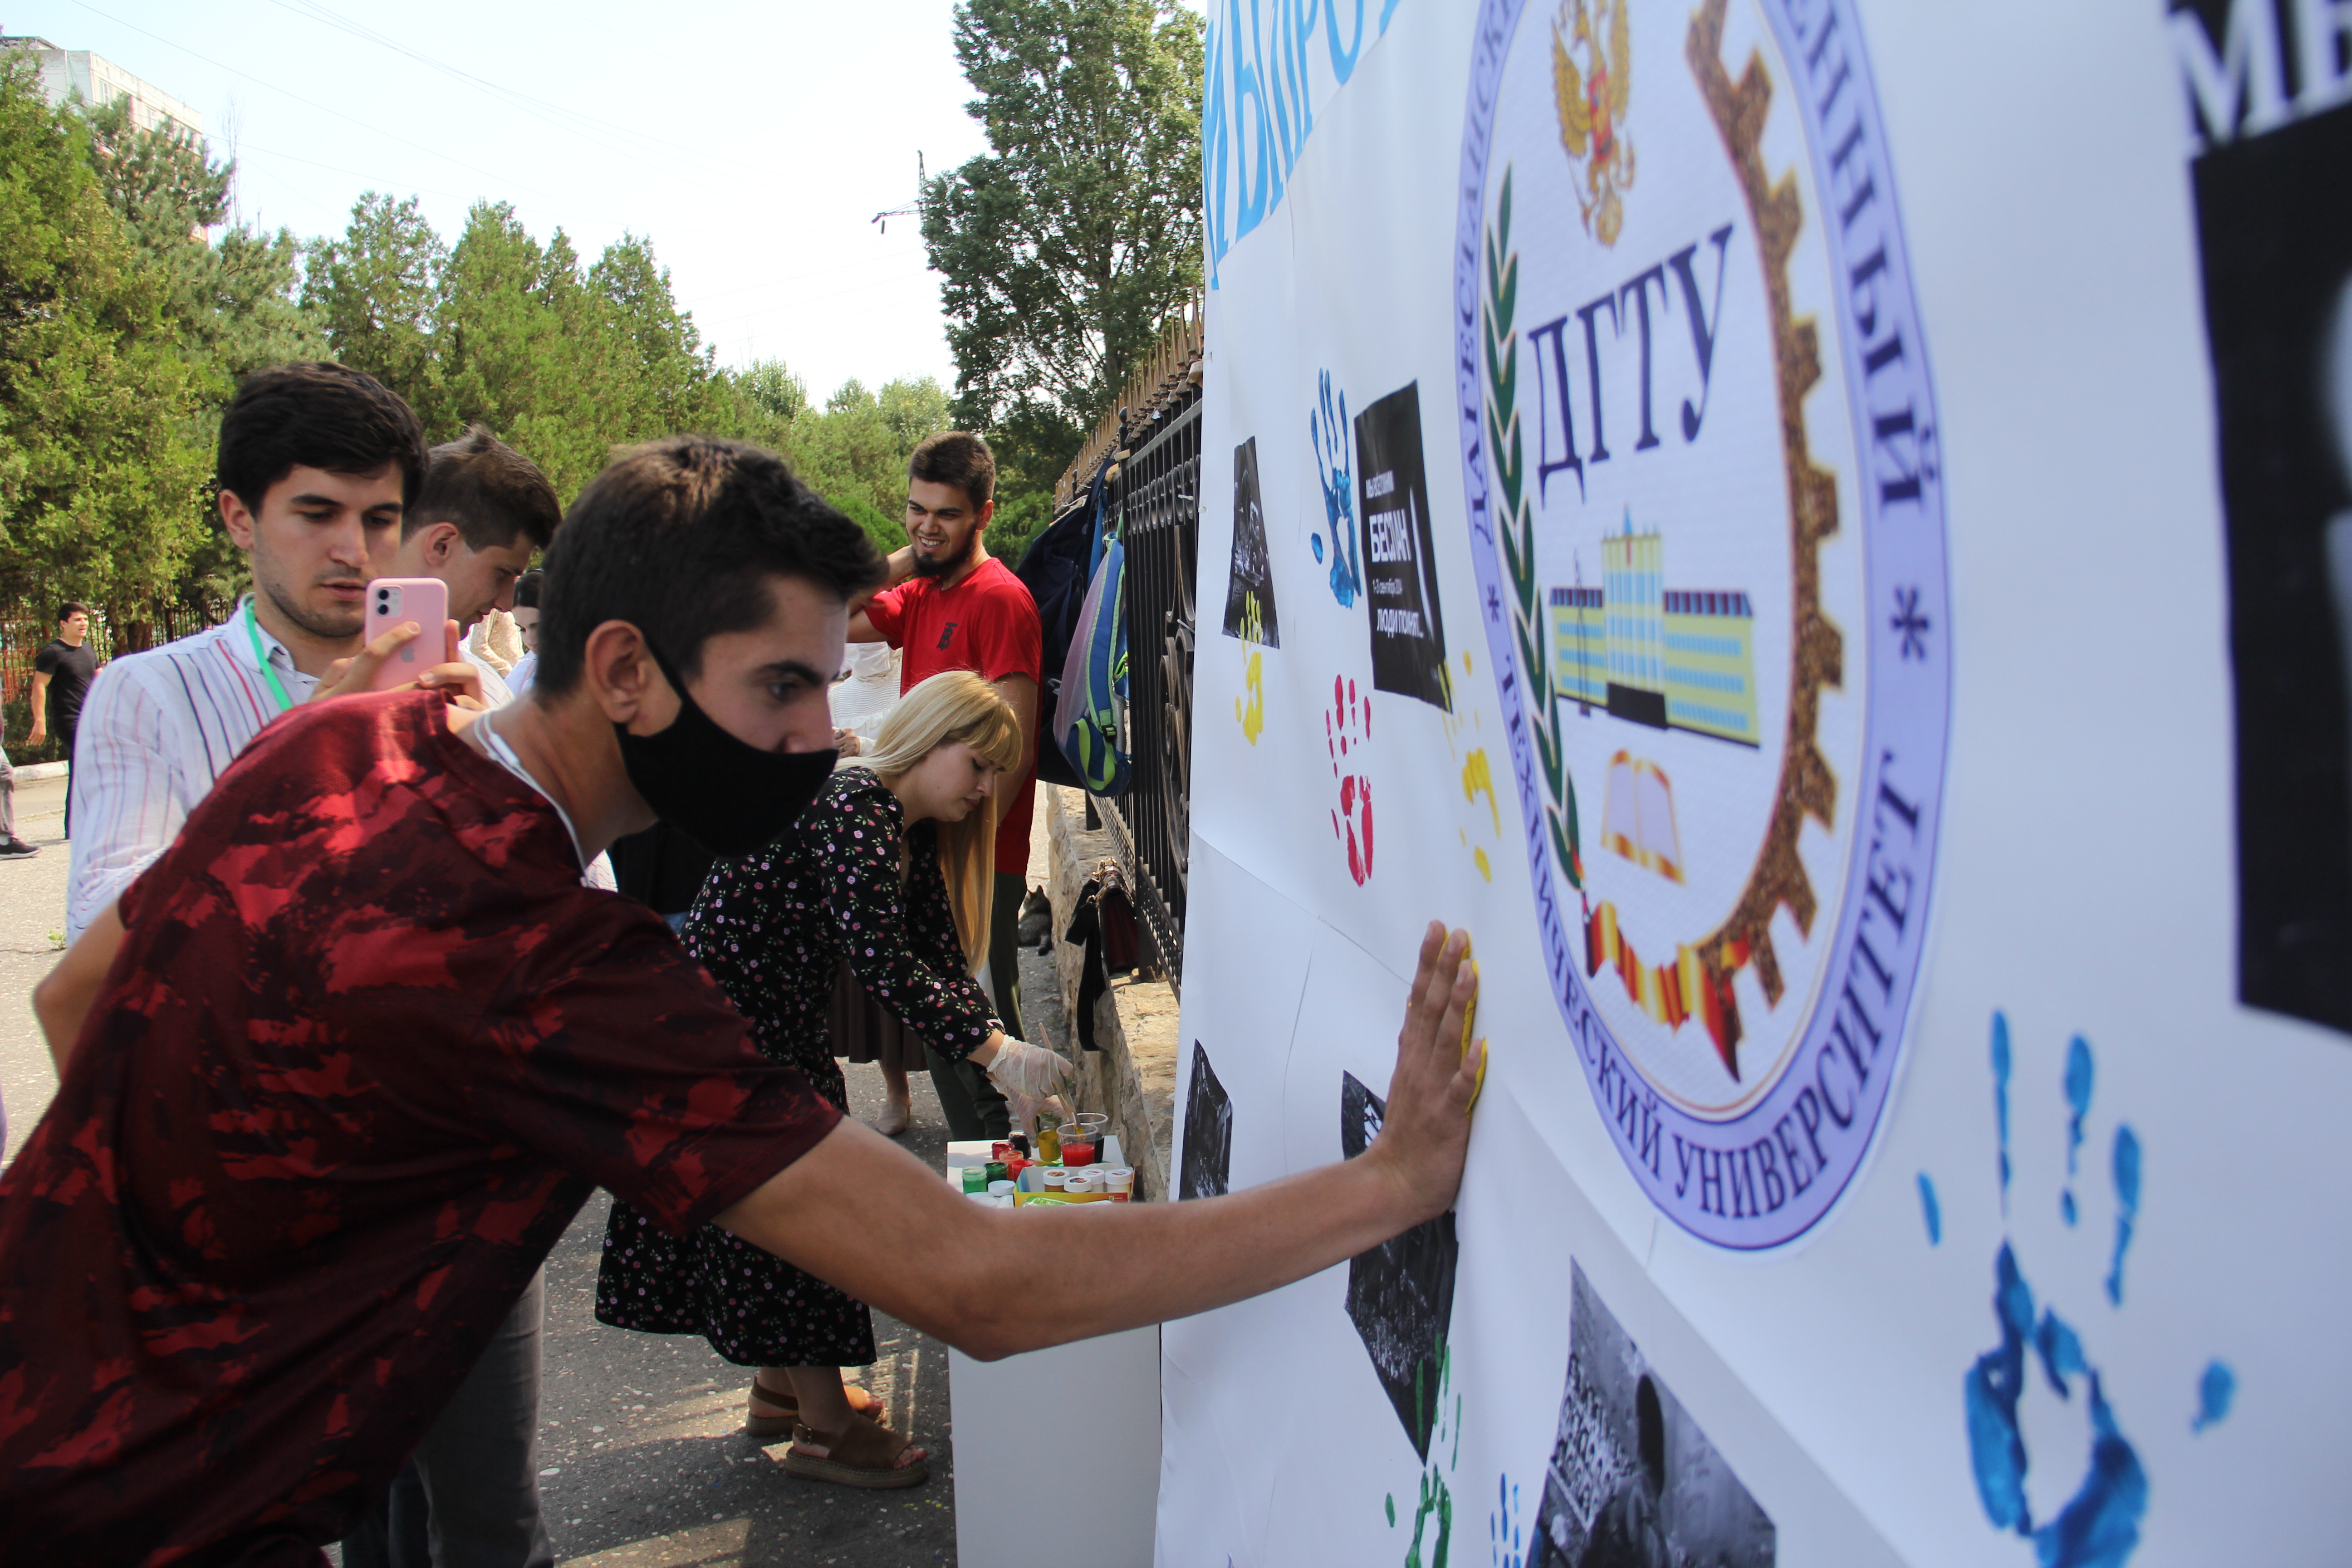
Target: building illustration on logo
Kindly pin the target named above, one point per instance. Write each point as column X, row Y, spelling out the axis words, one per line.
column 1673, row 658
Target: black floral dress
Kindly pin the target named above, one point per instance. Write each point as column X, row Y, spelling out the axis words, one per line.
column 773, row 928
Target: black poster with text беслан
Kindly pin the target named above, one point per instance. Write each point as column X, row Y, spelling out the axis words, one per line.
column 1399, row 574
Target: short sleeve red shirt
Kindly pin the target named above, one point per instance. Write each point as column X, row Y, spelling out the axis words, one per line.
column 986, row 623
column 367, row 1047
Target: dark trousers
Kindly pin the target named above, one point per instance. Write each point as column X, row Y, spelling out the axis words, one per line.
column 468, row 1496
column 974, row 1106
column 8, row 800
column 65, row 738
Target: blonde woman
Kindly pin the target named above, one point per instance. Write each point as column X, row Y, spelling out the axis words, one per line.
column 890, row 870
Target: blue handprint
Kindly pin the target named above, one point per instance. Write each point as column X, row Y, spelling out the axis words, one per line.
column 1329, row 434
column 2099, row 1525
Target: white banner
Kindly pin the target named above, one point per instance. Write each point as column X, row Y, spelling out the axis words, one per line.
column 1819, row 530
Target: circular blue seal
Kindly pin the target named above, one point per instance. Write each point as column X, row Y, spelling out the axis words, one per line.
column 1699, row 454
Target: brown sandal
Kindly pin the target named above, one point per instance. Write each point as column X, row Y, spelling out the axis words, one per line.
column 861, row 1456
column 768, row 1428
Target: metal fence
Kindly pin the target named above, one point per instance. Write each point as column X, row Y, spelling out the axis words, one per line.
column 1156, row 498
column 26, row 627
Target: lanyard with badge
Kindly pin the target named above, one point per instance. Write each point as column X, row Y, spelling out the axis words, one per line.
column 268, row 672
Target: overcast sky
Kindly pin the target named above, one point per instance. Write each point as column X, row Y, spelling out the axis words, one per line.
column 754, row 142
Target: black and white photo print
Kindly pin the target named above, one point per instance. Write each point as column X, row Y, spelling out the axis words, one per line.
column 1400, row 1293
column 1632, row 1482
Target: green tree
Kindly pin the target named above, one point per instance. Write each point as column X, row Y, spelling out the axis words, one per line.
column 854, row 451
column 518, row 336
column 377, row 291
column 101, row 479
column 666, row 374
column 772, row 392
column 230, row 305
column 564, row 363
column 233, row 302
column 1067, row 243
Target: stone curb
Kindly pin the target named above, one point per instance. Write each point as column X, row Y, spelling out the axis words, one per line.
column 34, row 772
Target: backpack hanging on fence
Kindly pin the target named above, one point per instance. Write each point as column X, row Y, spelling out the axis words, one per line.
column 1089, row 719
column 1068, row 572
column 1056, row 569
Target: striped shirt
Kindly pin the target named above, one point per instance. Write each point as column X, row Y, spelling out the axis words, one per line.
column 157, row 728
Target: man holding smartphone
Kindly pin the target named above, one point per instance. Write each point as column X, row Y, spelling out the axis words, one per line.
column 336, row 1074
column 316, row 464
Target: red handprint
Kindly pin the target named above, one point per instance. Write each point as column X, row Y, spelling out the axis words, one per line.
column 1346, row 729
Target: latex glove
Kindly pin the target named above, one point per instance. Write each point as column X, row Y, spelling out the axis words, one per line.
column 1031, row 1072
column 1028, row 1075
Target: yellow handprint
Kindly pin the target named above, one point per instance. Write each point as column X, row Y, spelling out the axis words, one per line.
column 1253, row 716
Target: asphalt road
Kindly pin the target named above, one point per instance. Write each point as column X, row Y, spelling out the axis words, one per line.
column 643, row 1457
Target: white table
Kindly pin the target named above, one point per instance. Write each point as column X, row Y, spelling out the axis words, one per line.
column 1101, row 1483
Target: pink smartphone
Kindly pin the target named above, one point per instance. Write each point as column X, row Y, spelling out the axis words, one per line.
column 392, row 601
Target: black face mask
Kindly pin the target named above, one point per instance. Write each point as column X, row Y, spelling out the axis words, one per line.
column 726, row 795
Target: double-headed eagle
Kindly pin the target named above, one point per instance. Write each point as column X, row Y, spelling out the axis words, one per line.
column 1592, row 99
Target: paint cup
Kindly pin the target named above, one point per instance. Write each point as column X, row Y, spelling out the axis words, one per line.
column 1119, row 1181
column 1077, row 1145
column 996, row 1171
column 975, row 1178
column 1000, row 1189
column 981, row 1198
column 1094, row 1121
column 1055, row 1176
column 1082, row 1182
column 1001, row 1149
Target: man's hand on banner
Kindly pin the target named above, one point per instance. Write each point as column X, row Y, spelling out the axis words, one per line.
column 1439, row 1070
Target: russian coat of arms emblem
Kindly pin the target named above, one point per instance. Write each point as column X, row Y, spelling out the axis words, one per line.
column 1593, row 82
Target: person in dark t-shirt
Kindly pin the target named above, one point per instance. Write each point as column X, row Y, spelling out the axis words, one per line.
column 62, row 672
column 337, row 1070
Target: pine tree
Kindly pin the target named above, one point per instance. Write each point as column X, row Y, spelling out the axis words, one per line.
column 377, row 290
